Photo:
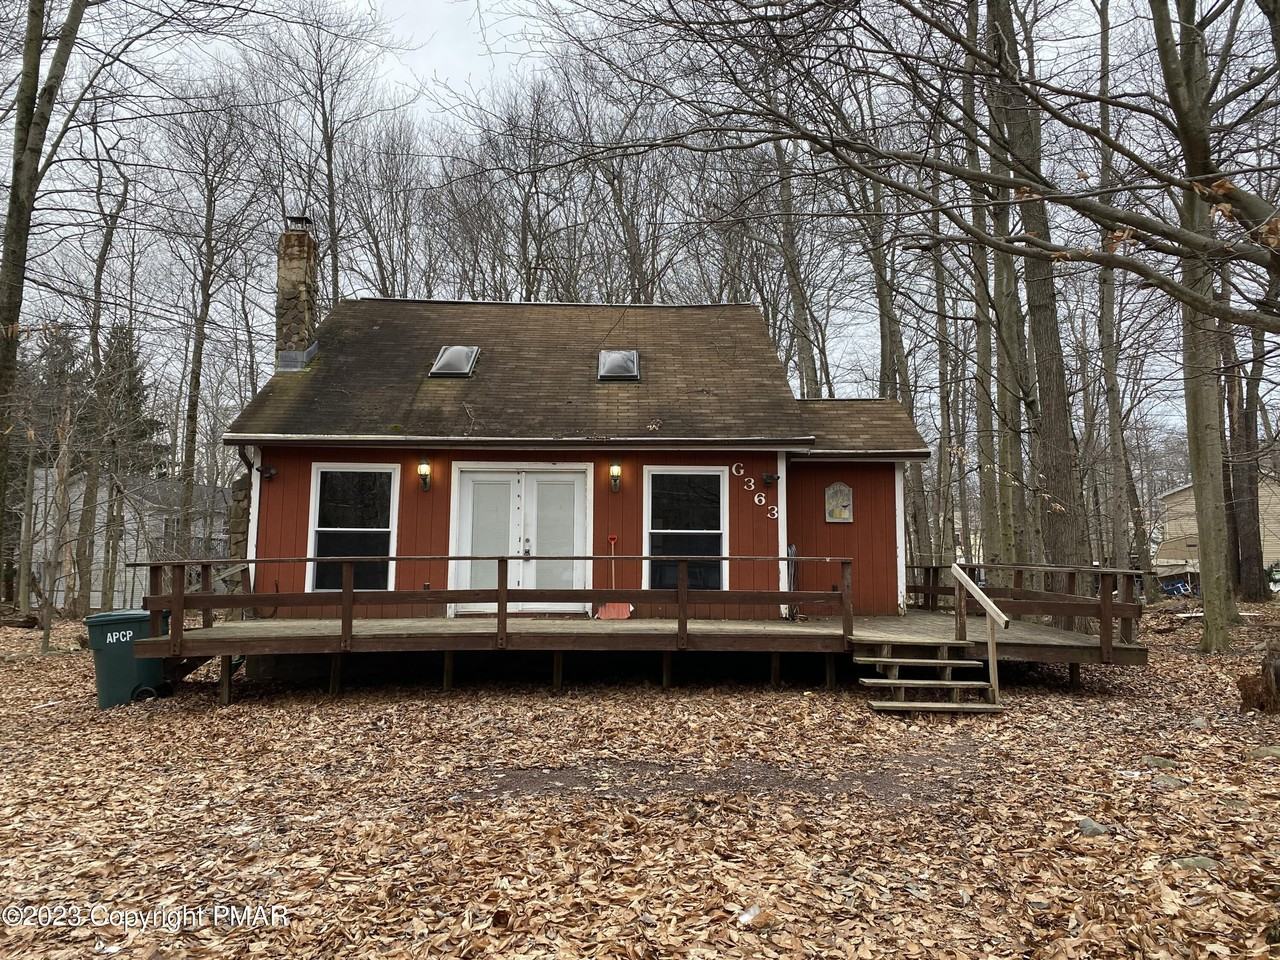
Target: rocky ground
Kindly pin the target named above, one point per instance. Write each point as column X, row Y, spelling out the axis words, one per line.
column 1139, row 817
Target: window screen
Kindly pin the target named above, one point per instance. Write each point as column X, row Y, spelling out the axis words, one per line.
column 353, row 519
column 685, row 520
column 619, row 365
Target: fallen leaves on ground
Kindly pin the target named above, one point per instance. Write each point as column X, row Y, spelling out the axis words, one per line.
column 626, row 822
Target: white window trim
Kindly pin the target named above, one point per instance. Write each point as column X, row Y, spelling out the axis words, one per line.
column 723, row 474
column 314, row 514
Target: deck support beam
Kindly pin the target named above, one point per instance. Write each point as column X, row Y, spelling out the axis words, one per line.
column 335, row 674
column 557, row 671
column 446, row 681
column 831, row 671
column 666, row 669
column 1073, row 670
column 224, row 680
column 775, row 670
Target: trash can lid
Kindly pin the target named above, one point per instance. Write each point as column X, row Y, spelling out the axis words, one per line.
column 116, row 616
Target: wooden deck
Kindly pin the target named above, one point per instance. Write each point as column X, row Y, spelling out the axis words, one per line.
column 1022, row 641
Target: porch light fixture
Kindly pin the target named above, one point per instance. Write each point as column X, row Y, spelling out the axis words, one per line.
column 615, row 477
column 424, row 473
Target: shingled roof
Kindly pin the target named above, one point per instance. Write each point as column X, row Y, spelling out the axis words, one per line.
column 708, row 375
column 862, row 427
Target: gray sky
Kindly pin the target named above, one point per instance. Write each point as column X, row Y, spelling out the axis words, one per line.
column 461, row 42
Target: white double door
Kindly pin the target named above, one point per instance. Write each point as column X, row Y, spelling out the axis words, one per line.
column 525, row 514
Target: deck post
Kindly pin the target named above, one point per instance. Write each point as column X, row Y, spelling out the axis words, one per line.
column 335, row 674
column 775, row 670
column 962, row 613
column 1106, row 588
column 156, row 587
column 178, row 613
column 846, row 597
column 1128, row 587
column 206, row 586
column 557, row 671
column 666, row 669
column 447, row 682
column 682, row 603
column 224, row 680
column 993, row 661
column 348, row 602
column 831, row 671
column 502, row 603
column 1073, row 670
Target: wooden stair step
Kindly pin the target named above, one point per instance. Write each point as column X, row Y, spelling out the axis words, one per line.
column 932, row 684
column 913, row 662
column 935, row 706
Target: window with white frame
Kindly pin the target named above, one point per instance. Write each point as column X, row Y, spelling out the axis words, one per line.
column 353, row 515
column 686, row 513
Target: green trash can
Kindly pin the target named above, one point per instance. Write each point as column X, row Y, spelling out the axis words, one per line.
column 121, row 677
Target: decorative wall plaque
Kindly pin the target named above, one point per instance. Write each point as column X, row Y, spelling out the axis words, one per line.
column 839, row 503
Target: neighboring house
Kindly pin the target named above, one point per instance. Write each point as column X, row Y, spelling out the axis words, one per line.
column 149, row 528
column 1179, row 553
column 405, row 428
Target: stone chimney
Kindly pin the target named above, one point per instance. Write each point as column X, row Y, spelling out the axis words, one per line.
column 296, row 295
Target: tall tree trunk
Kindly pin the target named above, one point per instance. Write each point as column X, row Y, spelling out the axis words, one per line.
column 1141, row 541
column 1063, row 517
column 1249, row 573
column 1200, row 353
column 191, row 420
column 32, row 107
column 1117, row 487
column 993, row 546
column 945, row 501
column 26, row 544
column 801, row 318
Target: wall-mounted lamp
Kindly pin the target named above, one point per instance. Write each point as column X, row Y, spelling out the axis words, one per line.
column 267, row 472
column 615, row 477
column 770, row 479
column 424, row 473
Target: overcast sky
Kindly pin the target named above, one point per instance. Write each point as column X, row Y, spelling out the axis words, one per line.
column 465, row 43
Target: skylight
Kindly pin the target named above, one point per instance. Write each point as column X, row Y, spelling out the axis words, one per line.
column 455, row 361
column 619, row 365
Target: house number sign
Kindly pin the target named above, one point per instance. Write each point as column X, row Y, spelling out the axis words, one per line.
column 749, row 484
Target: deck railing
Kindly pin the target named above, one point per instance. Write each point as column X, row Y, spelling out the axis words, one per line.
column 995, row 618
column 1074, row 596
column 168, row 590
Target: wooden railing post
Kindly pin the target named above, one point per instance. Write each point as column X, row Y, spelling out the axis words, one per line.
column 993, row 661
column 178, row 612
column 846, row 596
column 348, row 602
column 206, row 586
column 1128, row 593
column 156, row 588
column 502, row 602
column 962, row 612
column 935, row 583
column 1106, row 587
column 682, row 603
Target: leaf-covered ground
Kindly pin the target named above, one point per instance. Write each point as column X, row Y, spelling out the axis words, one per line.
column 619, row 821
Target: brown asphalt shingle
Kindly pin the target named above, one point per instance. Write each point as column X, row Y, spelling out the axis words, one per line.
column 706, row 373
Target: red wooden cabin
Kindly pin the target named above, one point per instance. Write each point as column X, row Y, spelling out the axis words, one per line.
column 561, row 477
column 406, row 428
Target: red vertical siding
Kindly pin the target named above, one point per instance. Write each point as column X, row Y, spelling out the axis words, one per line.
column 423, row 523
column 871, row 540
